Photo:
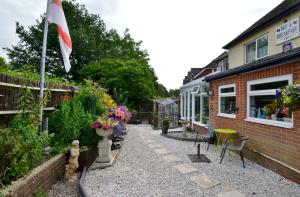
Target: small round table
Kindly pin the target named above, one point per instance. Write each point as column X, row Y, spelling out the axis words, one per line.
column 221, row 131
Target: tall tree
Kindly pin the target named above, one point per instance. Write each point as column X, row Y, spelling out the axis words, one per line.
column 131, row 79
column 91, row 41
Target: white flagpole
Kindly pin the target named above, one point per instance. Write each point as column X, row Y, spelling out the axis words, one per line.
column 42, row 71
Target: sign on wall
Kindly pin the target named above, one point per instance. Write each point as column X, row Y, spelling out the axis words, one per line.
column 287, row 31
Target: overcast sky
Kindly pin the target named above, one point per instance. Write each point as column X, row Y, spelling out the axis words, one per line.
column 178, row 34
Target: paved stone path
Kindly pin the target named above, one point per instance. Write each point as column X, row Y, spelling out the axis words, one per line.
column 152, row 165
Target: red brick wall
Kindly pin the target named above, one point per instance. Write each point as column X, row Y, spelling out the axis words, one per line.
column 42, row 177
column 279, row 143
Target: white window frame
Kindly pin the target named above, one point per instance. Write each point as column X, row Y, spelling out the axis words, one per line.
column 200, row 94
column 226, row 95
column 288, row 77
column 265, row 35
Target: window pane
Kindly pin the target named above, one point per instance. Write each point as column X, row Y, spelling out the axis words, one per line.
column 228, row 105
column 227, row 90
column 197, row 108
column 250, row 52
column 269, row 86
column 263, row 108
column 205, row 112
column 262, row 47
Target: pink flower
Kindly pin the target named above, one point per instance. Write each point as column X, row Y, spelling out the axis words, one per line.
column 106, row 127
column 285, row 111
column 96, row 125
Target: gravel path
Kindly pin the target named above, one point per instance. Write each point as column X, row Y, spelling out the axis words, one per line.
column 140, row 171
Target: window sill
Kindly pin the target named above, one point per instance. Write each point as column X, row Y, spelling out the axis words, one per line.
column 200, row 124
column 227, row 115
column 287, row 125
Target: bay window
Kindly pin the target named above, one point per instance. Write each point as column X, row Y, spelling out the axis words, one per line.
column 261, row 105
column 257, row 49
column 227, row 101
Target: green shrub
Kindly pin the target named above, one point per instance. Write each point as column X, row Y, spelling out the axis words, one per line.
column 67, row 122
column 21, row 147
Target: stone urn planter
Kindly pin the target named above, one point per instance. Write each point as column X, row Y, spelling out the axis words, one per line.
column 104, row 146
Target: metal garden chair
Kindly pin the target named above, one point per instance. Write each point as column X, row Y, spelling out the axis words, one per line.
column 206, row 137
column 231, row 145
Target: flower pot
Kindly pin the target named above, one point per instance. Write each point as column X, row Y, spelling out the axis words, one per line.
column 287, row 119
column 104, row 146
column 273, row 116
column 164, row 129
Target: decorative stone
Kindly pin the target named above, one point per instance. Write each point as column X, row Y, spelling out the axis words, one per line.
column 205, row 181
column 161, row 151
column 70, row 173
column 231, row 193
column 185, row 168
column 170, row 158
column 104, row 146
column 155, row 145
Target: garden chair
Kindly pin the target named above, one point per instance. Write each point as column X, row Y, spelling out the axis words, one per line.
column 231, row 145
column 206, row 137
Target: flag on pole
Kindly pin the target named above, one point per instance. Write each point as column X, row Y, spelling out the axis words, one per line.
column 56, row 15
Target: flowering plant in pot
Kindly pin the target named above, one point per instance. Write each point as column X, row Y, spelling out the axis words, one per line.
column 289, row 96
column 104, row 125
column 188, row 127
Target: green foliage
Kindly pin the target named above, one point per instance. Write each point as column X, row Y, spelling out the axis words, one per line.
column 3, row 64
column 22, row 143
column 161, row 91
column 166, row 122
column 88, row 33
column 74, row 117
column 40, row 193
column 67, row 122
column 174, row 92
column 134, row 79
column 32, row 74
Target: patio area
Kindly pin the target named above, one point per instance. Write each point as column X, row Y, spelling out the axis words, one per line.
column 152, row 165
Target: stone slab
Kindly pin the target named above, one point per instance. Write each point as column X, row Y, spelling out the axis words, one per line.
column 155, row 145
column 185, row 168
column 170, row 158
column 148, row 141
column 205, row 181
column 161, row 151
column 231, row 193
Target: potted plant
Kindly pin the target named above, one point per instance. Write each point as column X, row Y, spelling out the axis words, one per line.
column 287, row 112
column 165, row 126
column 267, row 111
column 103, row 126
column 289, row 96
column 155, row 120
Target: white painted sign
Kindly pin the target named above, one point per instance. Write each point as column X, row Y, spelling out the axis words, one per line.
column 287, row 31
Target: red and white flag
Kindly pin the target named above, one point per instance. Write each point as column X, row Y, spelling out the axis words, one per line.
column 56, row 15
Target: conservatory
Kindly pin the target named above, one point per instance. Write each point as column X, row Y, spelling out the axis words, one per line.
column 194, row 105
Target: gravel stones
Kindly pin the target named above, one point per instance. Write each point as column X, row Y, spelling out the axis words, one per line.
column 139, row 171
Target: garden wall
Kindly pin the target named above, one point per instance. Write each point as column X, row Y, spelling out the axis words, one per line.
column 281, row 145
column 41, row 178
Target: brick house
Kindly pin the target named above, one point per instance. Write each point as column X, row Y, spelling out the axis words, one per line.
column 259, row 61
